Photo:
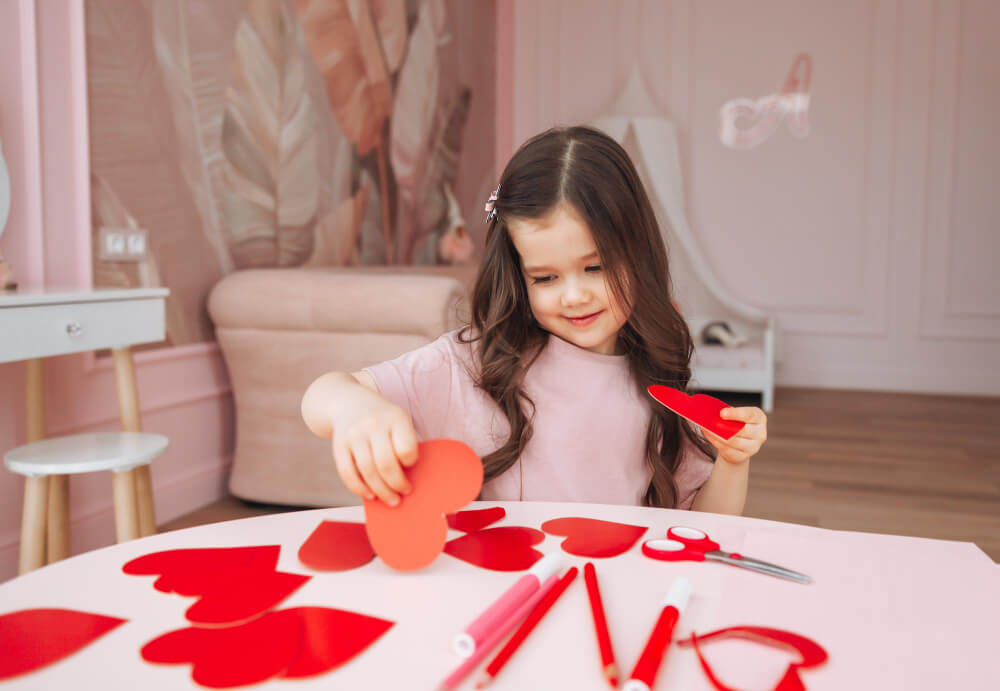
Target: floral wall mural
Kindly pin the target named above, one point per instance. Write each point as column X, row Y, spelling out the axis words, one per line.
column 287, row 133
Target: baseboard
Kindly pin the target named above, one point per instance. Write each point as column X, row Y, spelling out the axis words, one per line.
column 186, row 492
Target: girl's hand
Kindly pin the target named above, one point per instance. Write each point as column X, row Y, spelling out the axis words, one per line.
column 745, row 443
column 371, row 444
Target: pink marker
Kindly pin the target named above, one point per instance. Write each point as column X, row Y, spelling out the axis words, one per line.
column 494, row 637
column 472, row 637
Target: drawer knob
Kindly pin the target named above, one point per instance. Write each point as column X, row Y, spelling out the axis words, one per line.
column 74, row 329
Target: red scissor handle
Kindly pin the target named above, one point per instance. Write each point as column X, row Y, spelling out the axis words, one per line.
column 693, row 538
column 671, row 550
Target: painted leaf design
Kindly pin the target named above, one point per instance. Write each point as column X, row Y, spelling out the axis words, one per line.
column 429, row 115
column 390, row 16
column 33, row 638
column 337, row 233
column 108, row 211
column 432, row 210
column 269, row 142
column 344, row 43
column 193, row 63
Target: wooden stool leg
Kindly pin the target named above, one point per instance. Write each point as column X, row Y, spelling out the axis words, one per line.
column 144, row 501
column 36, row 489
column 128, row 406
column 58, row 522
column 126, row 516
column 36, row 497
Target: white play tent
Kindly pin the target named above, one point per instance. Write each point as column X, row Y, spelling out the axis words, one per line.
column 651, row 140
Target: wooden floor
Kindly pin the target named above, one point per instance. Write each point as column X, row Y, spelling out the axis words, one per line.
column 905, row 464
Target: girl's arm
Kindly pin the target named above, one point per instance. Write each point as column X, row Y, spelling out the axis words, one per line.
column 372, row 438
column 726, row 488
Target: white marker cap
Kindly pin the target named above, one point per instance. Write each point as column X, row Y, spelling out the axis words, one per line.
column 679, row 594
column 547, row 566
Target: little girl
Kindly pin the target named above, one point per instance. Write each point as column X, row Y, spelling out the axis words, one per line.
column 572, row 320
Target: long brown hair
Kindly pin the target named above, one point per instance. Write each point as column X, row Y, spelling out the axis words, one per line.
column 591, row 172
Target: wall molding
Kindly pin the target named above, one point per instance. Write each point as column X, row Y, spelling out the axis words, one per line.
column 940, row 318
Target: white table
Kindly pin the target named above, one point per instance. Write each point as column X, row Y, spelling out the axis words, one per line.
column 892, row 612
column 36, row 324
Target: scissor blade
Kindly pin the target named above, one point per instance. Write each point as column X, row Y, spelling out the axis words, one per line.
column 759, row 566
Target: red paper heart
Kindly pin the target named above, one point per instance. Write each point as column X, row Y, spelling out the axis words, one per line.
column 195, row 571
column 297, row 642
column 33, row 638
column 811, row 653
column 507, row 548
column 337, row 546
column 589, row 537
column 446, row 477
column 475, row 519
column 234, row 584
column 700, row 409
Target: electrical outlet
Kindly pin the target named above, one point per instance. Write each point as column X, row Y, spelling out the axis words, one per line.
column 122, row 244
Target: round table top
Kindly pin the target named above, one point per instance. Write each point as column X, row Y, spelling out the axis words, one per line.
column 892, row 612
column 85, row 453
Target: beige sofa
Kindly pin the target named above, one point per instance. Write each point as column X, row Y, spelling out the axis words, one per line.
column 279, row 329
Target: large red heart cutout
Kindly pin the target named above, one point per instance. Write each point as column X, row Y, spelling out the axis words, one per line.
column 810, row 652
column 337, row 546
column 33, row 638
column 589, row 537
column 296, row 642
column 233, row 584
column 507, row 548
column 447, row 476
column 700, row 409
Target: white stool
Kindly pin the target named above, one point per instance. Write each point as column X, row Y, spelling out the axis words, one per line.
column 45, row 513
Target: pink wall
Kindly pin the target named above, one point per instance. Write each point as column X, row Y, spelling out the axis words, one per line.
column 184, row 392
column 873, row 241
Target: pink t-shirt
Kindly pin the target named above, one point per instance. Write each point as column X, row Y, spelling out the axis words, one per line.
column 589, row 441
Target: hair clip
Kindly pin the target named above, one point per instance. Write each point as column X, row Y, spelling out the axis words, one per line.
column 490, row 209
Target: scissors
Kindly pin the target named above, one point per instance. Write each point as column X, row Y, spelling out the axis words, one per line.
column 691, row 544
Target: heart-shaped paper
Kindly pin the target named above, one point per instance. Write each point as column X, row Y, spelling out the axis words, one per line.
column 33, row 638
column 810, row 652
column 337, row 546
column 475, row 519
column 589, row 537
column 700, row 409
column 233, row 584
column 508, row 548
column 446, row 477
column 296, row 642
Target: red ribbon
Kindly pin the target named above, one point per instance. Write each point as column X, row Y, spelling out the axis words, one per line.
column 812, row 653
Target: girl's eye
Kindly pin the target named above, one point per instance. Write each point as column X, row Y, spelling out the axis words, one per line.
column 541, row 279
column 594, row 268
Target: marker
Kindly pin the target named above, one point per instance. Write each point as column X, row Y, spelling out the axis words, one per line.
column 644, row 674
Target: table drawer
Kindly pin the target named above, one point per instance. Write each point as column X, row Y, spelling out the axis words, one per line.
column 35, row 331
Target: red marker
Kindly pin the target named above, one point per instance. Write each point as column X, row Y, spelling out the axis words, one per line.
column 644, row 674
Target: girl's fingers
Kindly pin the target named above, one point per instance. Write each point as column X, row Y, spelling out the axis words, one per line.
column 387, row 464
column 361, row 450
column 404, row 442
column 744, row 445
column 348, row 472
column 713, row 438
column 749, row 415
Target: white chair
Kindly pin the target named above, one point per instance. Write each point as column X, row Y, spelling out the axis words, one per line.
column 119, row 452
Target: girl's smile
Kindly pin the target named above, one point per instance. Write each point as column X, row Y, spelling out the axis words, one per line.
column 585, row 320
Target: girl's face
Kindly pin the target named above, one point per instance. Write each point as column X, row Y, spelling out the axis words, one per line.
column 567, row 288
